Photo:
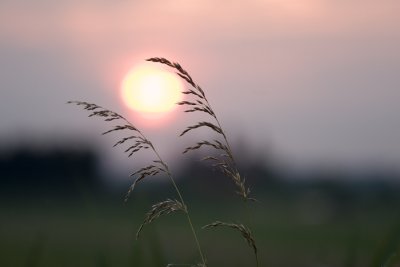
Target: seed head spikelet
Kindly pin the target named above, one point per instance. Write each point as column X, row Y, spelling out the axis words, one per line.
column 200, row 103
column 244, row 231
column 138, row 142
column 162, row 208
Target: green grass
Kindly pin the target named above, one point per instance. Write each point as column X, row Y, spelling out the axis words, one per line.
column 101, row 233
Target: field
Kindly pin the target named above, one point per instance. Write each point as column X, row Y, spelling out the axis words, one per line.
column 291, row 231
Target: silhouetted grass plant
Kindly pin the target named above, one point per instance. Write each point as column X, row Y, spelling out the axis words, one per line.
column 225, row 161
column 137, row 142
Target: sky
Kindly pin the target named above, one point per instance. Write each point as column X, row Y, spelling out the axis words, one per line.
column 309, row 82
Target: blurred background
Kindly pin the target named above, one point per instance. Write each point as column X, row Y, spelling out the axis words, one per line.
column 307, row 92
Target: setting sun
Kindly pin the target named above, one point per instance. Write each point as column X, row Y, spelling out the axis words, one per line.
column 149, row 89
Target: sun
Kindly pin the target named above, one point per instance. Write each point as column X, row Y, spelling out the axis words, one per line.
column 151, row 90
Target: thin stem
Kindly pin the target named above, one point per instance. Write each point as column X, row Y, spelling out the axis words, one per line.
column 250, row 222
column 234, row 165
column 183, row 203
column 179, row 195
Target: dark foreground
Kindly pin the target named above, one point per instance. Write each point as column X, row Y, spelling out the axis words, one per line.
column 301, row 231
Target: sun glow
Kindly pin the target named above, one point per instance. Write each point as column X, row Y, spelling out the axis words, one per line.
column 151, row 90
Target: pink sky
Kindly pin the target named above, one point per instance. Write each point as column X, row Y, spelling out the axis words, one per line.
column 315, row 80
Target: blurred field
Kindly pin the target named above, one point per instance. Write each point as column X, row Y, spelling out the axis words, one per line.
column 55, row 210
column 91, row 232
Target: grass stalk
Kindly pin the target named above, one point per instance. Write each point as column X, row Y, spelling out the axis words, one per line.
column 186, row 209
column 169, row 174
column 225, row 161
column 159, row 166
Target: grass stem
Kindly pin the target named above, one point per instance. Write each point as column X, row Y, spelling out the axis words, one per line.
column 186, row 209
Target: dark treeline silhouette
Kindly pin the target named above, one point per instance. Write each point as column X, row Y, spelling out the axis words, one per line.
column 343, row 191
column 58, row 171
column 66, row 172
